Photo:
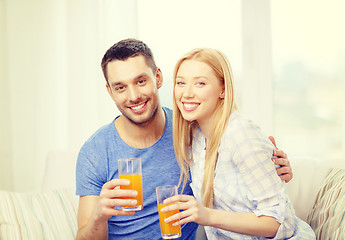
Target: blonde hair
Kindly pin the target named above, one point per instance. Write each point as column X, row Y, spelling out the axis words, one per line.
column 183, row 130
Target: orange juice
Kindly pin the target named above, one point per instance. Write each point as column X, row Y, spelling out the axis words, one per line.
column 136, row 184
column 168, row 228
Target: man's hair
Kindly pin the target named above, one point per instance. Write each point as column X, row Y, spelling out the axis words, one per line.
column 125, row 49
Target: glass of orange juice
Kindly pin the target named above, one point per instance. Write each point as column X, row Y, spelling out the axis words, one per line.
column 167, row 229
column 130, row 168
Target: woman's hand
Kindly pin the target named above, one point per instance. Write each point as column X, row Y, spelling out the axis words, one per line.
column 192, row 210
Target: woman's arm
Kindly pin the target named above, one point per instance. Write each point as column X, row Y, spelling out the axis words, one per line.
column 242, row 223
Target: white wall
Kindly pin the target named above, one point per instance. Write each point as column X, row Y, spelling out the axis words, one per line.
column 52, row 88
column 6, row 169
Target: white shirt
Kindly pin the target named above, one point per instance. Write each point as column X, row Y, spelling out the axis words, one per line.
column 246, row 180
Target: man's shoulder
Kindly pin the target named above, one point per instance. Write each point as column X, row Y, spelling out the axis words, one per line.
column 168, row 111
column 102, row 134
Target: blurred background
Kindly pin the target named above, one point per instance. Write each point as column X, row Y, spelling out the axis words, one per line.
column 288, row 59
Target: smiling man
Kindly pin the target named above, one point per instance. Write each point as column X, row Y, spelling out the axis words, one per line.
column 144, row 129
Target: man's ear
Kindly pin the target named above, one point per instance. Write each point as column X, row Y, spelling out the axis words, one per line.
column 109, row 90
column 159, row 78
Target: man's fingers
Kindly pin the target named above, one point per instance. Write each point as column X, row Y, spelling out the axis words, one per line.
column 117, row 212
column 282, row 161
column 279, row 153
column 286, row 177
column 283, row 170
column 116, row 182
column 118, row 193
column 271, row 138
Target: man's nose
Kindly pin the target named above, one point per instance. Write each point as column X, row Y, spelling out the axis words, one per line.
column 133, row 93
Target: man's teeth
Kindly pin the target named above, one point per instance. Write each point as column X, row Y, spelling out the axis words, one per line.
column 138, row 106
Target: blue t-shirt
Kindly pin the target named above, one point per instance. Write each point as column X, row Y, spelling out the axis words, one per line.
column 97, row 164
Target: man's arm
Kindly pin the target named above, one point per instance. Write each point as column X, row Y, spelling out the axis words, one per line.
column 89, row 226
column 94, row 211
column 285, row 171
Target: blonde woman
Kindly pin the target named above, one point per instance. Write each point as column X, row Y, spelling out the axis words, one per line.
column 238, row 194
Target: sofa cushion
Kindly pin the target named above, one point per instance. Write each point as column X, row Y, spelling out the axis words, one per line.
column 46, row 215
column 308, row 176
column 327, row 216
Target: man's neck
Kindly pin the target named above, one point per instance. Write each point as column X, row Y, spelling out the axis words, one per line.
column 144, row 136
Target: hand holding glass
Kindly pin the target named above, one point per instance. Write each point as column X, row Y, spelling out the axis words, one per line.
column 130, row 168
column 167, row 229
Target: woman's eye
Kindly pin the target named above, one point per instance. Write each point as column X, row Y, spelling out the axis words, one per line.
column 179, row 83
column 200, row 83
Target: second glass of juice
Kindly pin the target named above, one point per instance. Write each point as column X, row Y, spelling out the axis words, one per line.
column 130, row 168
column 167, row 229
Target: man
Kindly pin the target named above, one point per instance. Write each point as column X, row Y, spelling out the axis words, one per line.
column 144, row 129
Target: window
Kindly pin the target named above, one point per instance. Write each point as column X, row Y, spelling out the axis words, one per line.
column 172, row 28
column 308, row 46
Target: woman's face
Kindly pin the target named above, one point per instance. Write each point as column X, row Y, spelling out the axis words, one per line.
column 197, row 91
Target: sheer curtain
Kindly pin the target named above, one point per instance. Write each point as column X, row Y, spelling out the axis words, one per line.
column 53, row 92
column 309, row 76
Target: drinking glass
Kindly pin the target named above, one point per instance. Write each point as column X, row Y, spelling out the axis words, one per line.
column 130, row 168
column 167, row 229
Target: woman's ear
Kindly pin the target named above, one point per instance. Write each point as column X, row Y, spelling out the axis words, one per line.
column 222, row 93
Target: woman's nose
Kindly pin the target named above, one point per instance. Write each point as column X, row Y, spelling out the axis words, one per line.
column 188, row 91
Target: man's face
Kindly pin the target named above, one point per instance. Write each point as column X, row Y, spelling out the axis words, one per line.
column 134, row 88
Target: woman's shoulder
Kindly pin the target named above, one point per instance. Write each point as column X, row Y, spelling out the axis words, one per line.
column 242, row 130
column 239, row 123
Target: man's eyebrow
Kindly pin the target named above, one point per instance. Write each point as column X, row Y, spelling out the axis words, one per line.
column 141, row 76
column 113, row 84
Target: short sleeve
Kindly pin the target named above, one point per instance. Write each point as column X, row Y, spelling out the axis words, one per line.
column 90, row 171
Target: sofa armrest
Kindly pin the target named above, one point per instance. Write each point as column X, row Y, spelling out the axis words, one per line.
column 308, row 176
column 47, row 215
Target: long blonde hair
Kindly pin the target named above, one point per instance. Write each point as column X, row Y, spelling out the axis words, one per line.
column 183, row 130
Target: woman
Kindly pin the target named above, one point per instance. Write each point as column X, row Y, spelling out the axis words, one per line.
column 238, row 194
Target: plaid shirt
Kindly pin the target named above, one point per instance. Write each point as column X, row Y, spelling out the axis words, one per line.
column 246, row 180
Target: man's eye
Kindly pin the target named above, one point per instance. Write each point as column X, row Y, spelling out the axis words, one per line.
column 119, row 88
column 141, row 81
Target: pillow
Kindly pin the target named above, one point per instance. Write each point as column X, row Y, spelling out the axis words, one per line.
column 48, row 215
column 327, row 216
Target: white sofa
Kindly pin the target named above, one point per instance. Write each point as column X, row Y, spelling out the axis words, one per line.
column 317, row 193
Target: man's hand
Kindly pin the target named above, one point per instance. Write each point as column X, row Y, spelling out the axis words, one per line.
column 285, row 171
column 94, row 211
column 112, row 196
